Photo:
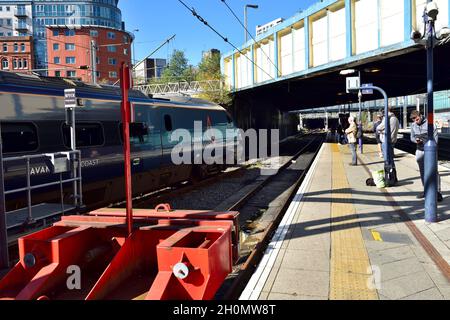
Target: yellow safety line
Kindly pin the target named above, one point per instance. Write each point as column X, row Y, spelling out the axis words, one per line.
column 376, row 236
column 351, row 273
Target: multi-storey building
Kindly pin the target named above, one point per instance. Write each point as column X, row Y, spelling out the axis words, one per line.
column 41, row 14
column 16, row 53
column 149, row 69
column 70, row 52
column 71, row 13
column 16, row 18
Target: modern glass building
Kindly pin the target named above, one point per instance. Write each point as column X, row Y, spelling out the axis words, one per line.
column 68, row 13
column 71, row 13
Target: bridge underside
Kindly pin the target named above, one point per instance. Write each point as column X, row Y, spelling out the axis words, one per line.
column 399, row 75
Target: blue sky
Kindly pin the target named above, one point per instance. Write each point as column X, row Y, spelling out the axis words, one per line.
column 157, row 20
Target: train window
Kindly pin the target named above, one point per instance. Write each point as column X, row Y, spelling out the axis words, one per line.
column 139, row 132
column 19, row 137
column 168, row 123
column 87, row 135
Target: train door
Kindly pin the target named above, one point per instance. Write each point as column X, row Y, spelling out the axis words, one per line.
column 171, row 120
column 145, row 150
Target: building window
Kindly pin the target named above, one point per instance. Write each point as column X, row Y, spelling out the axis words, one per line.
column 69, row 33
column 19, row 64
column 58, row 74
column 94, row 33
column 112, row 48
column 55, row 33
column 70, row 60
column 19, row 137
column 98, row 60
column 125, row 39
column 113, row 74
column 16, row 47
column 125, row 51
column 25, row 63
column 5, row 64
column 8, row 22
column 8, row 8
column 55, row 46
column 71, row 74
column 5, row 47
column 70, row 46
column 112, row 61
column 15, row 64
column 111, row 35
column 22, row 47
column 57, row 60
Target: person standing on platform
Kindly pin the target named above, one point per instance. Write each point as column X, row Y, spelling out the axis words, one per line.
column 395, row 127
column 419, row 136
column 377, row 135
column 351, row 132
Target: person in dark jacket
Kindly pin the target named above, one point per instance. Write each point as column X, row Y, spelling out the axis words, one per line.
column 419, row 136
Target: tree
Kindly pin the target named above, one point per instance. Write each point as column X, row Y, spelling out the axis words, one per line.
column 209, row 69
column 178, row 69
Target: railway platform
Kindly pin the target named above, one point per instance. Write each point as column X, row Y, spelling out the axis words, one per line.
column 343, row 240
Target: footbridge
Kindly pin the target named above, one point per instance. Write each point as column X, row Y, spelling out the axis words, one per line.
column 296, row 65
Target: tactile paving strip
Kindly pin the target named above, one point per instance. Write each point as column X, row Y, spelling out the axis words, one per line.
column 351, row 273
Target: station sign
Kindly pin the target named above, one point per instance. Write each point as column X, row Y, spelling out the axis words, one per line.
column 353, row 84
column 367, row 91
column 70, row 98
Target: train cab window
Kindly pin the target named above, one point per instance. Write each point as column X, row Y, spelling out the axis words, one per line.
column 139, row 132
column 168, row 123
column 19, row 137
column 87, row 135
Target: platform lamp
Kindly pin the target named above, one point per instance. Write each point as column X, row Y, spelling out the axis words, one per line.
column 429, row 40
column 253, row 6
column 360, row 127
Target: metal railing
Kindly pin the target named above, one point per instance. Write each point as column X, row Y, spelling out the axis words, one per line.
column 184, row 87
column 62, row 162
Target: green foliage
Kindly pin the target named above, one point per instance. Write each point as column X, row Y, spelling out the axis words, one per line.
column 178, row 69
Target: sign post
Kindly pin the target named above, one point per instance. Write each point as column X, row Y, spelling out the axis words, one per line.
column 71, row 103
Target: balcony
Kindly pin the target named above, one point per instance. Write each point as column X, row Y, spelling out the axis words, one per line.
column 21, row 27
column 20, row 12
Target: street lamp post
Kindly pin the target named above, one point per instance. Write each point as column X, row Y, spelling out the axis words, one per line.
column 431, row 183
column 134, row 60
column 253, row 6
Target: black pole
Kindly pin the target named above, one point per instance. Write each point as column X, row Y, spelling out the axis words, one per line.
column 4, row 256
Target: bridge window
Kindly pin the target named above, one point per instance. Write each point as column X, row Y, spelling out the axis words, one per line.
column 19, row 137
column 87, row 135
column 366, row 25
column 392, row 24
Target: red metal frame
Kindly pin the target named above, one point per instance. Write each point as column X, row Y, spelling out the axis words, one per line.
column 125, row 85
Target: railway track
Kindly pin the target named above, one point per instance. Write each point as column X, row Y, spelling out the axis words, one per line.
column 263, row 208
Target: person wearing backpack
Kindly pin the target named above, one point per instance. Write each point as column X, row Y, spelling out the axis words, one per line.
column 352, row 133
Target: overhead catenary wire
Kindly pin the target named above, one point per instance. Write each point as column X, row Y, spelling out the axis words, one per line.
column 249, row 33
column 201, row 19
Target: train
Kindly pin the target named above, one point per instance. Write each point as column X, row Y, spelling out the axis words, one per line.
column 33, row 120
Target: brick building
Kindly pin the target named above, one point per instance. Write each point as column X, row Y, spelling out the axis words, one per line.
column 16, row 53
column 69, row 49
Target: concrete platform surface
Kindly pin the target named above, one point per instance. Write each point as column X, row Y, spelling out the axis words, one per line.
column 343, row 240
